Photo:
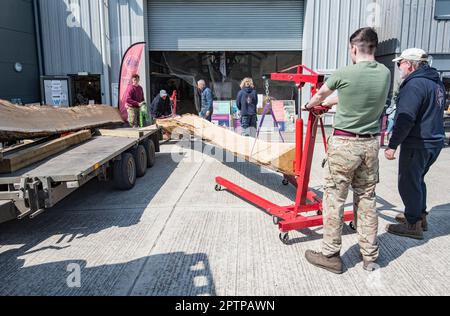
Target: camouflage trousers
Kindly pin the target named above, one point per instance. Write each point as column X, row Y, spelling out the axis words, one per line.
column 351, row 162
column 133, row 116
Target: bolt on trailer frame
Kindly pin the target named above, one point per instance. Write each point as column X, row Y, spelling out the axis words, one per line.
column 30, row 191
column 290, row 218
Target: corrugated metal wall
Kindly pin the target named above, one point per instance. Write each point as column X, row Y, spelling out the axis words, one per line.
column 401, row 24
column 225, row 25
column 420, row 29
column 328, row 25
column 71, row 45
column 126, row 23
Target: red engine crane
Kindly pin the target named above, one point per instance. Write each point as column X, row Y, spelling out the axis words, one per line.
column 292, row 217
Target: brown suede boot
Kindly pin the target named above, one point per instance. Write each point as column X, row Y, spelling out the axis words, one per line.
column 401, row 219
column 407, row 230
column 332, row 264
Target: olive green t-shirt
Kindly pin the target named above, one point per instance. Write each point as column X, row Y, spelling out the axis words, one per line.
column 363, row 90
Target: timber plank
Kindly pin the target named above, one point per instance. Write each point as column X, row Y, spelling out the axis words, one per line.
column 122, row 132
column 276, row 156
column 18, row 160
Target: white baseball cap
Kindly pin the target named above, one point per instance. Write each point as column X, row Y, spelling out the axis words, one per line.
column 414, row 54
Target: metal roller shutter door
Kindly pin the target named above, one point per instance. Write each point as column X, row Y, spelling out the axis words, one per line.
column 225, row 25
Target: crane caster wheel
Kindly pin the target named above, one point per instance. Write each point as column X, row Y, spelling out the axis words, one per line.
column 276, row 220
column 352, row 226
column 218, row 188
column 285, row 182
column 284, row 237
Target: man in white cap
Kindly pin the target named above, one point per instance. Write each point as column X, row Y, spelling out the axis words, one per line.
column 419, row 129
column 161, row 105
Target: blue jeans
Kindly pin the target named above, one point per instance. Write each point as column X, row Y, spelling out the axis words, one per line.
column 414, row 166
column 249, row 124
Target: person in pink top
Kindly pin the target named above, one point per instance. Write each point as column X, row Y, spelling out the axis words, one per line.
column 134, row 97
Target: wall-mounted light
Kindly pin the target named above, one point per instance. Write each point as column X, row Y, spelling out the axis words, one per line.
column 18, row 67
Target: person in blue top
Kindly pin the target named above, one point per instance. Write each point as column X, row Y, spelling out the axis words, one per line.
column 419, row 129
column 207, row 106
column 247, row 103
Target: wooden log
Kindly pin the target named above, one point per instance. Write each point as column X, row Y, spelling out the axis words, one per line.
column 29, row 122
column 17, row 160
column 276, row 156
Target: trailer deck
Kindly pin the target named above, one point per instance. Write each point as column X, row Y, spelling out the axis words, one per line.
column 75, row 163
column 42, row 185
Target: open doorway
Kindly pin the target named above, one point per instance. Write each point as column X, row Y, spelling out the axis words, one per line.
column 223, row 72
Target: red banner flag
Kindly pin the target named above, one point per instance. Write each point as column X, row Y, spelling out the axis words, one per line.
column 130, row 66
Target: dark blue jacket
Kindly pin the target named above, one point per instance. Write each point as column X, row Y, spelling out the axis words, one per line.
column 419, row 122
column 160, row 107
column 247, row 101
column 207, row 102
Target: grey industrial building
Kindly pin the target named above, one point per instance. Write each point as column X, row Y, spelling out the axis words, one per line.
column 62, row 37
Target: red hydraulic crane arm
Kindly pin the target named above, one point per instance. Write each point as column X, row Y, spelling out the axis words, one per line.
column 305, row 152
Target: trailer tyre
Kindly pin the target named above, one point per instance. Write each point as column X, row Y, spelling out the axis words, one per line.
column 124, row 172
column 151, row 153
column 140, row 156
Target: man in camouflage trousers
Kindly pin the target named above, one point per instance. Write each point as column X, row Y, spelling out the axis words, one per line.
column 353, row 151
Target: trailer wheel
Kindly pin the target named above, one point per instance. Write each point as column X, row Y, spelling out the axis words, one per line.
column 124, row 172
column 151, row 152
column 140, row 156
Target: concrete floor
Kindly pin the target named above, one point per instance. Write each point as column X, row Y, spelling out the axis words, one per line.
column 174, row 235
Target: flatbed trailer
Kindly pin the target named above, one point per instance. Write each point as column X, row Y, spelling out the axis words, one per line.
column 32, row 190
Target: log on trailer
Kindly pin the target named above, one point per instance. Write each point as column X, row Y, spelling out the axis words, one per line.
column 276, row 156
column 16, row 160
column 29, row 122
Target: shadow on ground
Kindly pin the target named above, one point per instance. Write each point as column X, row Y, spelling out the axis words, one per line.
column 393, row 247
column 88, row 211
column 172, row 274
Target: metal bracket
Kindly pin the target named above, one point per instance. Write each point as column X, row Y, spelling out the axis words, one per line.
column 29, row 193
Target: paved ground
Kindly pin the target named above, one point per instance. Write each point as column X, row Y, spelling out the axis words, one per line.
column 174, row 235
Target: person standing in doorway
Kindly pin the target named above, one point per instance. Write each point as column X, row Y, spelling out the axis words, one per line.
column 207, row 102
column 247, row 103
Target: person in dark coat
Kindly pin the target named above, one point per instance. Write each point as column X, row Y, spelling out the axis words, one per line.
column 207, row 101
column 247, row 103
column 161, row 106
column 419, row 129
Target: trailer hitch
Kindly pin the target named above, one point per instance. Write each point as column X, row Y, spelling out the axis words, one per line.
column 29, row 193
